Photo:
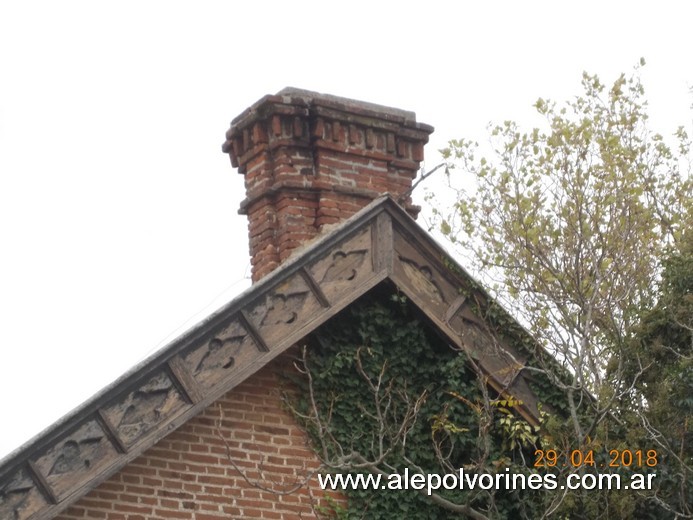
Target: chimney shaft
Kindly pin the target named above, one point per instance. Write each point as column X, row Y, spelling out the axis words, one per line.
column 312, row 159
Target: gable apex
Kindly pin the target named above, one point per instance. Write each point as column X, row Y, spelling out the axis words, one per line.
column 380, row 243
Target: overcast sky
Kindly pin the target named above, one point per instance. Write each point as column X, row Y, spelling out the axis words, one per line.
column 118, row 211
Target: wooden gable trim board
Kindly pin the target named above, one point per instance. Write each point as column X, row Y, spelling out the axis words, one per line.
column 379, row 243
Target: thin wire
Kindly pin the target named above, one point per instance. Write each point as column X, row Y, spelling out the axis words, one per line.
column 198, row 315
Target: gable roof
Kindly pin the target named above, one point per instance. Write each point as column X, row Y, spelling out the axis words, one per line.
column 380, row 243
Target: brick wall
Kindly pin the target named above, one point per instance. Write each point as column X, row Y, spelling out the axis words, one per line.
column 311, row 160
column 188, row 474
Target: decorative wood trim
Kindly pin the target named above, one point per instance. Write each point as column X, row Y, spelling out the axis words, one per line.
column 382, row 243
column 41, row 483
column 252, row 331
column 184, row 380
column 527, row 410
column 388, row 224
column 454, row 307
column 314, row 287
column 110, row 431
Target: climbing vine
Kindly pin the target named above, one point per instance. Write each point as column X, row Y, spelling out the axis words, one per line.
column 383, row 393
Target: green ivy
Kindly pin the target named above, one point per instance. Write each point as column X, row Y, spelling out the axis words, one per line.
column 388, row 336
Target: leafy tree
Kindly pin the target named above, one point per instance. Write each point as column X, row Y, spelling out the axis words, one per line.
column 570, row 223
column 660, row 410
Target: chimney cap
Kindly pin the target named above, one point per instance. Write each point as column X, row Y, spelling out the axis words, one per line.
column 317, row 98
column 308, row 99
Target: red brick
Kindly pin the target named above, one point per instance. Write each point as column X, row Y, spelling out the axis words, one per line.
column 131, row 508
column 347, row 147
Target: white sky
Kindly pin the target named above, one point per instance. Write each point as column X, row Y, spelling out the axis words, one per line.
column 118, row 211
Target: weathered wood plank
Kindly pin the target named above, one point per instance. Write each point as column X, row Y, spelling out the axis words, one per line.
column 382, row 238
column 41, row 483
column 252, row 331
column 184, row 380
column 20, row 496
column 148, row 404
column 110, row 431
column 314, row 287
column 454, row 307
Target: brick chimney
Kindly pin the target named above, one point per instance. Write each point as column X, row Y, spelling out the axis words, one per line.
column 312, row 159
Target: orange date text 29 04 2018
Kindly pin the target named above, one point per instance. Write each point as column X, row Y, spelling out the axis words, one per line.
column 611, row 459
